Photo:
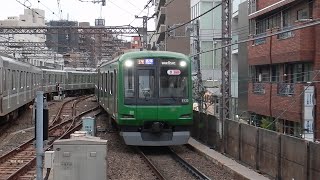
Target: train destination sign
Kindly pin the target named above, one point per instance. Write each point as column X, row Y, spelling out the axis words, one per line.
column 173, row 72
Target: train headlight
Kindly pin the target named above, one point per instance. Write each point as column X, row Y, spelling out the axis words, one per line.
column 183, row 64
column 128, row 63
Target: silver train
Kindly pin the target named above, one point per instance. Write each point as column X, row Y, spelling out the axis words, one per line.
column 19, row 82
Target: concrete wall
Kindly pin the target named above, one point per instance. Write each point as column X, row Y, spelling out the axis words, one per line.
column 277, row 155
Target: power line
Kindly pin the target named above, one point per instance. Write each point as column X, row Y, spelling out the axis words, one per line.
column 311, row 23
column 29, row 7
column 145, row 7
column 48, row 8
column 294, row 101
column 171, row 29
column 168, row 3
column 121, row 8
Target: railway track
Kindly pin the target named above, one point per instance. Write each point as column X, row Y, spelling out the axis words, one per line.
column 21, row 161
column 169, row 152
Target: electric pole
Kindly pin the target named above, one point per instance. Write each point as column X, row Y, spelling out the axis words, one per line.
column 199, row 75
column 144, row 31
column 225, row 66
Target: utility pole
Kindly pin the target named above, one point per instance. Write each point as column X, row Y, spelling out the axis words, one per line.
column 144, row 31
column 199, row 75
column 225, row 66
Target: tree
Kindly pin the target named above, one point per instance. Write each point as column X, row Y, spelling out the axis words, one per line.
column 267, row 123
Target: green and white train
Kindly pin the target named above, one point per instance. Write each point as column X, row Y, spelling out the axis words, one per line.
column 148, row 95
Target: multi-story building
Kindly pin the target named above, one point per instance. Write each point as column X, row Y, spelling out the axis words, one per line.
column 209, row 30
column 136, row 42
column 170, row 14
column 239, row 58
column 63, row 41
column 31, row 18
column 284, row 68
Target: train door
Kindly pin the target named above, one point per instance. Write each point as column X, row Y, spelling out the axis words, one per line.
column 115, row 96
column 147, row 98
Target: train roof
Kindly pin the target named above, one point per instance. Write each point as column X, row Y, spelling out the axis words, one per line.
column 54, row 70
column 16, row 62
column 164, row 54
column 142, row 54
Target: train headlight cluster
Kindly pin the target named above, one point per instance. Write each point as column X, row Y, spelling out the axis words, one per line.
column 128, row 63
column 183, row 64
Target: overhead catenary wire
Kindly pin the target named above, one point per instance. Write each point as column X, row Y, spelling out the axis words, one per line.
column 305, row 25
column 294, row 101
column 145, row 7
column 29, row 7
column 171, row 29
column 48, row 9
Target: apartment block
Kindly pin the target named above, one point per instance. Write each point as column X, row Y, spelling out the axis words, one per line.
column 284, row 68
column 171, row 14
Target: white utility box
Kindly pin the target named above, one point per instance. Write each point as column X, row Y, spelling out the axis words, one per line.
column 48, row 159
column 82, row 158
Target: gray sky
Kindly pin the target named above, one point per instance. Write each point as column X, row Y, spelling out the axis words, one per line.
column 116, row 12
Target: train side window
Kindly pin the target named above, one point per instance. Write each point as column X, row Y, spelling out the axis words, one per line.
column 111, row 83
column 106, row 82
column 4, row 79
column 115, row 82
column 27, row 83
column 14, row 81
column 20, row 80
column 9, row 80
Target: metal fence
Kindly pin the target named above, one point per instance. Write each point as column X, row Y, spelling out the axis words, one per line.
column 277, row 155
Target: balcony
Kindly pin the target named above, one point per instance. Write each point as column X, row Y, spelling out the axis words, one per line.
column 259, row 7
column 161, row 36
column 285, row 89
column 259, row 51
column 286, row 101
column 259, row 98
column 293, row 46
column 259, row 88
column 280, row 100
column 161, row 17
column 159, row 4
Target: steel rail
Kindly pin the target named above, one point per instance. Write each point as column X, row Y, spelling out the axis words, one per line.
column 194, row 171
column 31, row 163
column 150, row 164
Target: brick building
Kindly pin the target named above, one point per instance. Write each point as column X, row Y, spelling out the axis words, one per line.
column 136, row 42
column 284, row 68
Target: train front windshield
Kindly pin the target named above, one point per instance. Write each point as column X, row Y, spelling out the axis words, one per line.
column 156, row 81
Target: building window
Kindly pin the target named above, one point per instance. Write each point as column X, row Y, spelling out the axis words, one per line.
column 275, row 73
column 302, row 14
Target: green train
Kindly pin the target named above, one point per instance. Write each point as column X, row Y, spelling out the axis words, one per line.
column 148, row 95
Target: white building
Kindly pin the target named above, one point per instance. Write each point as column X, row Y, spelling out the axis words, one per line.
column 210, row 28
column 31, row 17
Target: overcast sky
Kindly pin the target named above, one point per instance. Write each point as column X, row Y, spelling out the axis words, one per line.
column 116, row 12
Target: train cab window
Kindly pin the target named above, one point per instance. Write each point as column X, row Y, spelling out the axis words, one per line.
column 173, row 85
column 129, row 83
column 146, row 80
